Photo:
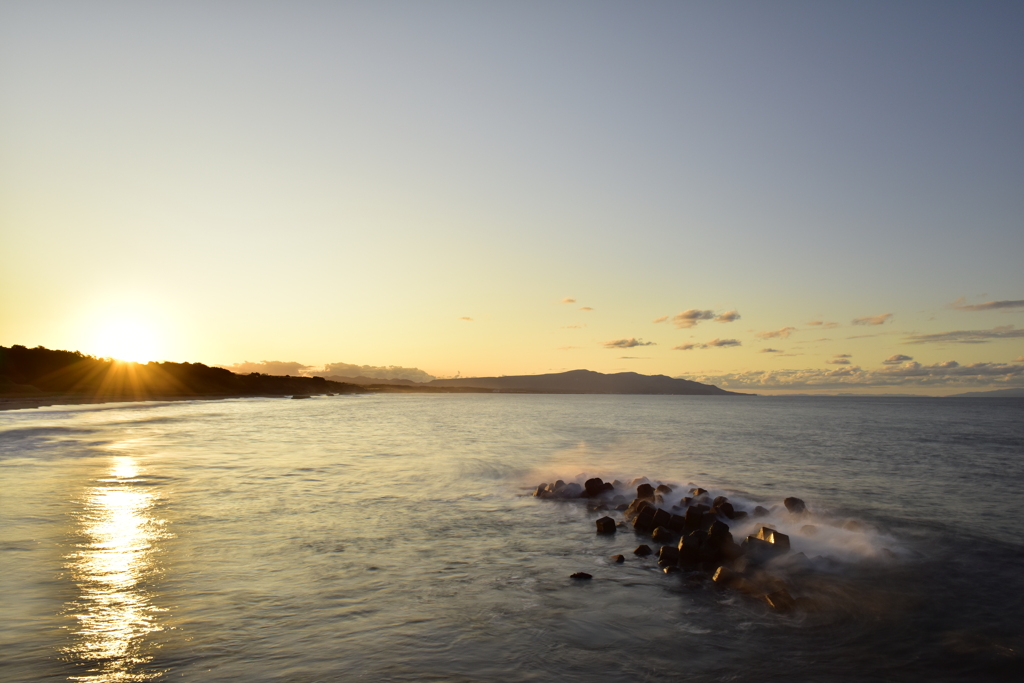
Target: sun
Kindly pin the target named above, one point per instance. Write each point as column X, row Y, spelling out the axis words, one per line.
column 128, row 340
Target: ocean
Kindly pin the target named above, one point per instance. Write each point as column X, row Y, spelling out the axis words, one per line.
column 396, row 538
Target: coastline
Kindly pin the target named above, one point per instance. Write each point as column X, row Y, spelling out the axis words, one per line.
column 25, row 403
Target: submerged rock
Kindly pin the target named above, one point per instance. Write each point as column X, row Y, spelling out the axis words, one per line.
column 663, row 535
column 760, row 511
column 645, row 492
column 642, row 550
column 595, row 487
column 663, row 488
column 580, row 575
column 618, row 559
column 780, row 600
column 779, row 540
column 667, row 555
column 606, row 525
column 644, row 521
column 794, row 505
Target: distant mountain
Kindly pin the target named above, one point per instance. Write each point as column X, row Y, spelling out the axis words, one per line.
column 588, row 382
column 998, row 393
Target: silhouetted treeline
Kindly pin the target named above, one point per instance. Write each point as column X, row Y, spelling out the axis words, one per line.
column 74, row 373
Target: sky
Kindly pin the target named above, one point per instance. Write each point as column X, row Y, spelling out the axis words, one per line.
column 773, row 196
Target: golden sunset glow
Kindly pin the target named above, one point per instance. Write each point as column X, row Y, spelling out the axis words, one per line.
column 128, row 340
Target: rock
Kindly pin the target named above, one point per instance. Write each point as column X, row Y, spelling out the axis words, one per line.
column 670, row 568
column 644, row 521
column 778, row 539
column 808, row 529
column 667, row 555
column 780, row 600
column 593, row 487
column 718, row 533
column 621, row 507
column 725, row 509
column 740, row 514
column 697, row 492
column 677, row 523
column 642, row 550
column 645, row 492
column 853, row 525
column 718, row 501
column 760, row 511
column 663, row 535
column 707, row 518
column 794, row 505
column 635, row 507
column 685, row 501
column 541, row 491
column 730, row 550
column 687, row 556
column 760, row 551
column 693, row 517
column 571, row 490
column 693, row 540
column 662, row 488
column 580, row 575
column 725, row 577
column 662, row 518
column 617, row 559
column 620, row 499
column 606, row 525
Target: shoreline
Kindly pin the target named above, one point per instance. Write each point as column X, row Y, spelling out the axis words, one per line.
column 26, row 403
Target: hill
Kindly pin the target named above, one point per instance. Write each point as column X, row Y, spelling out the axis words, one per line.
column 997, row 393
column 588, row 382
column 40, row 372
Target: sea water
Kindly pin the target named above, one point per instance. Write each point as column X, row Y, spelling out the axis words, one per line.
column 395, row 537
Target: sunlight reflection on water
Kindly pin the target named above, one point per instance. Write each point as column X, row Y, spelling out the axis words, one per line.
column 111, row 568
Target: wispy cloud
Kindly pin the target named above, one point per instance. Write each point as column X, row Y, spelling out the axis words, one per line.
column 966, row 336
column 276, row 367
column 880, row 319
column 568, row 300
column 271, row 367
column 962, row 305
column 770, row 351
column 781, row 333
column 1019, row 359
column 842, row 355
column 707, row 345
column 574, row 326
column 660, row 320
column 948, row 374
column 568, row 348
column 691, row 317
column 727, row 317
column 635, row 357
column 822, row 324
column 625, row 343
column 466, row 318
column 896, row 359
column 838, row 361
column 586, row 308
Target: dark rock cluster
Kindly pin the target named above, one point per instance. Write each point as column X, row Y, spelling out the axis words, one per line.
column 694, row 536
